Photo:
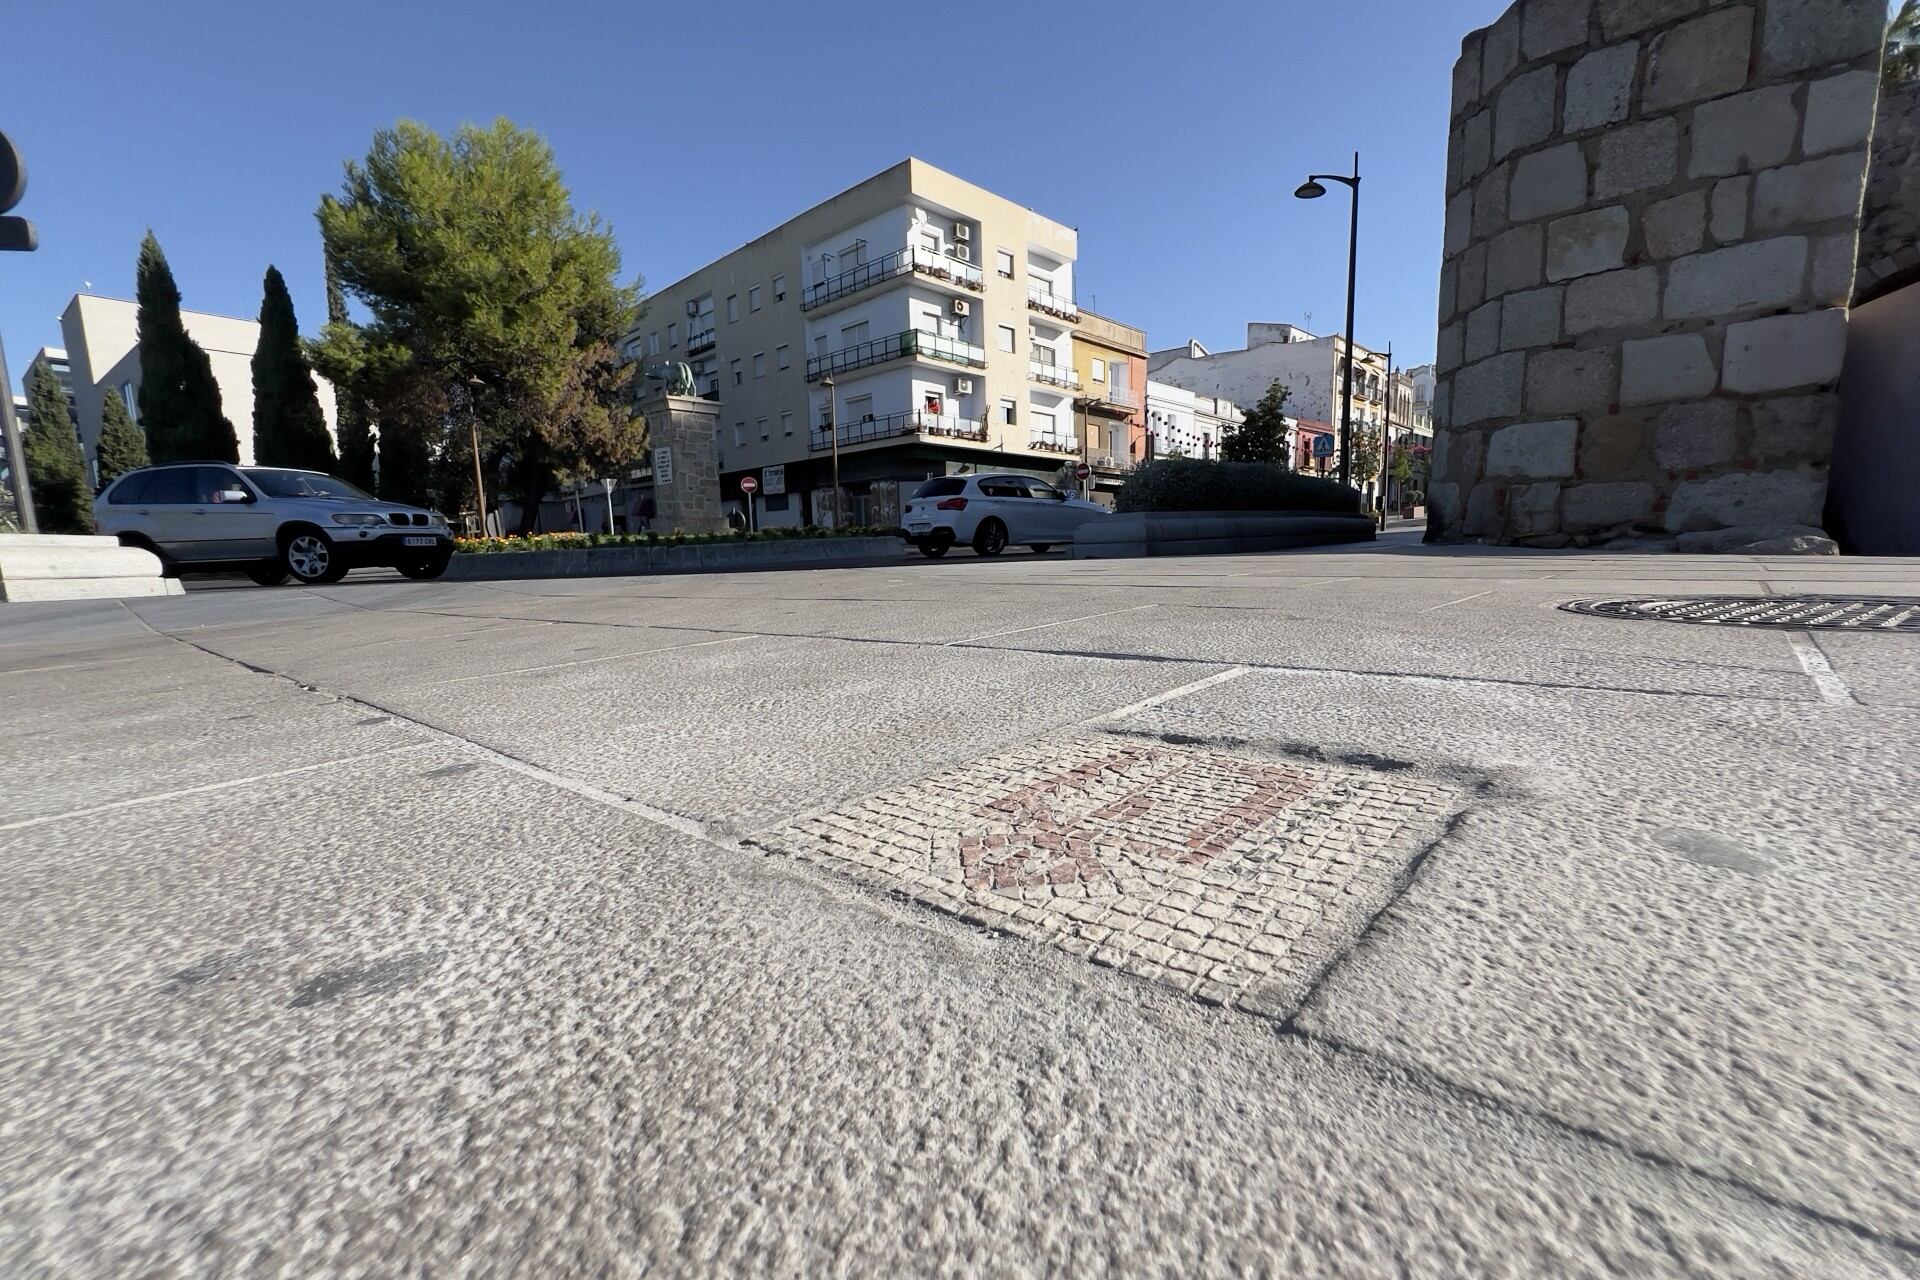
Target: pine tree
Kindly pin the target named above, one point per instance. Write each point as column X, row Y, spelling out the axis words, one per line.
column 179, row 399
column 55, row 468
column 289, row 430
column 350, row 414
column 1262, row 435
column 122, row 447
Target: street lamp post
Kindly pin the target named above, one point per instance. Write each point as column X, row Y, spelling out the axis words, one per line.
column 1386, row 438
column 473, row 438
column 1312, row 190
column 833, row 440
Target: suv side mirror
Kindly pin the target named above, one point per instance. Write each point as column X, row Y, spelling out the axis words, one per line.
column 1059, row 495
column 234, row 495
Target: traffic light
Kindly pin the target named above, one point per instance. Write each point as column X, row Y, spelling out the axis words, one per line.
column 15, row 233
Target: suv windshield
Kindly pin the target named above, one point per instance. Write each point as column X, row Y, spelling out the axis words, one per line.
column 303, row 484
column 945, row 487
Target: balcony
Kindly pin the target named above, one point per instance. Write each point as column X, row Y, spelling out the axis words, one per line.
column 701, row 341
column 1052, row 443
column 1114, row 402
column 1041, row 298
column 914, row 422
column 1057, row 375
column 912, row 344
column 891, row 266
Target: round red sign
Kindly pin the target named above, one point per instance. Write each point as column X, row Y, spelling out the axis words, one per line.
column 748, row 484
column 1081, row 471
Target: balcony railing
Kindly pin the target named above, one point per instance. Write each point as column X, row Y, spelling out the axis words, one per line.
column 1059, row 375
column 891, row 266
column 1106, row 396
column 914, row 422
column 925, row 346
column 1041, row 298
column 701, row 341
column 1053, row 443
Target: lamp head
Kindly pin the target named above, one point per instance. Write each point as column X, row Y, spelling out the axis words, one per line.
column 1309, row 190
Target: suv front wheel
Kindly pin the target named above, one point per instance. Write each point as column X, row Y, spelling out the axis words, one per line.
column 310, row 556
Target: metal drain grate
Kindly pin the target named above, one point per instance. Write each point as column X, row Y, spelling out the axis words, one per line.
column 1792, row 613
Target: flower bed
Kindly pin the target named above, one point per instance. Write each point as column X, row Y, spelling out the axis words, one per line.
column 589, row 541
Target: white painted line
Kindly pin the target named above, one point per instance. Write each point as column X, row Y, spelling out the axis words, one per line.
column 229, row 784
column 1462, row 600
column 1016, row 631
column 1161, row 699
column 1832, row 688
column 69, row 666
column 583, row 662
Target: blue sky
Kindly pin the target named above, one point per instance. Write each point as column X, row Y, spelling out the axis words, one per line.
column 1171, row 135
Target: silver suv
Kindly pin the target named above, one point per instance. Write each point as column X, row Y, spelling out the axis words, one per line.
column 271, row 521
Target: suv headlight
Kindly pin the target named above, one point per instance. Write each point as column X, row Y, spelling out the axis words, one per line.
column 354, row 517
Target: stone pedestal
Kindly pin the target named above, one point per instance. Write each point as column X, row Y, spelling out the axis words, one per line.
column 686, row 470
column 38, row 566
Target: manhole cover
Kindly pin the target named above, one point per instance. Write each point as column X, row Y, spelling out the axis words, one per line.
column 1795, row 613
column 1229, row 876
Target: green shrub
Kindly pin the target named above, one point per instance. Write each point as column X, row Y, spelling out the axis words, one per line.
column 569, row 541
column 1191, row 484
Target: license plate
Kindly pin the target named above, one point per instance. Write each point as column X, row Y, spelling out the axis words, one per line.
column 918, row 527
column 418, row 542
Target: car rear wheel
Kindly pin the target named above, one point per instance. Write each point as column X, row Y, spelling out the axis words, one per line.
column 310, row 556
column 269, row 574
column 936, row 544
column 990, row 539
column 432, row 567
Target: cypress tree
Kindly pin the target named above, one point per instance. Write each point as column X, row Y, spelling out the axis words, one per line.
column 179, row 399
column 1262, row 436
column 288, row 428
column 350, row 415
column 122, row 447
column 55, row 467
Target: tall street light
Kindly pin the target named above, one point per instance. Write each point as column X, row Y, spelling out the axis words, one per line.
column 473, row 437
column 833, row 438
column 1312, row 190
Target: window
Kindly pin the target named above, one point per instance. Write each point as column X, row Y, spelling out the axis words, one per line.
column 753, row 298
column 739, row 434
column 932, row 403
column 786, row 422
column 860, row 408
column 1006, row 337
column 852, row 256
column 173, row 487
column 1042, row 424
column 942, row 487
column 130, row 398
column 775, row 502
column 930, row 240
column 133, row 489
column 673, row 335
column 854, row 334
column 653, row 343
column 1008, row 413
column 733, row 307
column 759, row 364
column 734, row 364
column 780, row 360
column 762, row 424
column 1003, row 263
column 301, row 484
column 1099, row 370
column 780, row 288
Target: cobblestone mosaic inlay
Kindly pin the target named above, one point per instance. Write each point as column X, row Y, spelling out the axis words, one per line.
column 1230, row 877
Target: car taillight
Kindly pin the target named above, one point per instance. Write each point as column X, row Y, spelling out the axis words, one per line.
column 954, row 504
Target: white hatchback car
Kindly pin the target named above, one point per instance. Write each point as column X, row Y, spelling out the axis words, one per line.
column 991, row 511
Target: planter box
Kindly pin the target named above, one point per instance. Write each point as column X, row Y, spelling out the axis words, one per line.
column 1198, row 533
column 707, row 557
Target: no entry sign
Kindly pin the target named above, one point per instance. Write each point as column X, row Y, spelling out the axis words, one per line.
column 748, row 484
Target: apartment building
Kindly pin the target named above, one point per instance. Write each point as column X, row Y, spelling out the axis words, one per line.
column 1110, row 362
column 1187, row 424
column 929, row 320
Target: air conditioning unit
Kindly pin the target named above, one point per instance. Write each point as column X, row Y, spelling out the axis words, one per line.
column 961, row 307
column 962, row 232
column 693, row 308
column 963, row 386
column 961, row 252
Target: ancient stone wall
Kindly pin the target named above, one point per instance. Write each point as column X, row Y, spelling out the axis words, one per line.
column 1651, row 226
column 1890, row 218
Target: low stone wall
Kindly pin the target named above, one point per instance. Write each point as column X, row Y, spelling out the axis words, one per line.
column 1651, row 228
column 707, row 557
column 1197, row 533
column 38, row 566
column 1890, row 216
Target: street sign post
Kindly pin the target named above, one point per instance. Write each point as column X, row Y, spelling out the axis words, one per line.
column 747, row 486
column 607, row 483
column 1323, row 446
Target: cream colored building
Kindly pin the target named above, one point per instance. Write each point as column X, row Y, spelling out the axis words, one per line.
column 942, row 314
column 103, row 349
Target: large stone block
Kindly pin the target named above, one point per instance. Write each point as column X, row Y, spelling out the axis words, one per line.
column 1600, row 88
column 1674, row 227
column 1471, row 290
column 1747, row 498
column 1484, row 502
column 1747, row 131
column 1624, row 17
column 1533, row 508
column 1613, row 299
column 1637, row 158
column 1513, row 260
column 1490, row 202
column 1449, row 289
column 1780, row 352
column 1489, row 389
column 1563, row 381
column 1466, row 75
column 1601, row 506
column 1799, row 34
column 1450, row 347
column 1546, row 182
column 1459, row 227
column 1839, row 112
column 1730, row 199
column 1524, row 113
column 1476, row 144
column 1610, row 447
column 1443, row 509
column 1483, row 331
column 1533, row 450
column 1817, row 191
column 1548, row 26
column 1693, row 437
column 1674, row 367
column 1500, row 51
column 1795, row 428
column 1833, row 266
column 1586, row 244
column 1744, row 277
column 1531, row 318
column 1700, row 59
column 1460, row 455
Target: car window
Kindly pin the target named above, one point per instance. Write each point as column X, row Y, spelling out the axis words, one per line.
column 1041, row 489
column 131, row 490
column 1002, row 487
column 941, row 487
column 172, row 486
column 301, row 484
column 210, row 482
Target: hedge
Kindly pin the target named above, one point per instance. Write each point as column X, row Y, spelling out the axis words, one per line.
column 675, row 538
column 1194, row 484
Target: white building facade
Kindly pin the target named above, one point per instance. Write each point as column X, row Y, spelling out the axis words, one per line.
column 1183, row 423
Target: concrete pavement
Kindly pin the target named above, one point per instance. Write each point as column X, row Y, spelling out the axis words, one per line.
column 525, row 928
